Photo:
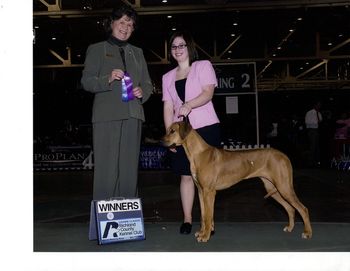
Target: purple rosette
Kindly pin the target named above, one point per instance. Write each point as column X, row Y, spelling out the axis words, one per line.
column 127, row 94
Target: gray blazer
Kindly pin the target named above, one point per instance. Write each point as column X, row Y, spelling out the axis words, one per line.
column 101, row 59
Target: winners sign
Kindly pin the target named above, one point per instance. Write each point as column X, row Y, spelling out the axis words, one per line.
column 116, row 220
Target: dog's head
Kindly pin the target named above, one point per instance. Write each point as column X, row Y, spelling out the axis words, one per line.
column 176, row 134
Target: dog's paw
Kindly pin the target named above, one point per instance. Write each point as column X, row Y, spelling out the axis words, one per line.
column 202, row 236
column 288, row 228
column 306, row 235
column 202, row 239
column 199, row 233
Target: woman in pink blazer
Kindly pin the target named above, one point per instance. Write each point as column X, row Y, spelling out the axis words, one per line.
column 188, row 90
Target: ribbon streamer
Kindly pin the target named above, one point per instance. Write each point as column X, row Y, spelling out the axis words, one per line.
column 127, row 94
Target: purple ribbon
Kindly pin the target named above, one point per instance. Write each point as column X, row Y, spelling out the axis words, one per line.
column 127, row 94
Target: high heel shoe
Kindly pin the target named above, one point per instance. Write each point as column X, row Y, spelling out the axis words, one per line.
column 186, row 228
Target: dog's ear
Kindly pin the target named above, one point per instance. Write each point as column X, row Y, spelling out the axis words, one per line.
column 186, row 119
column 184, row 128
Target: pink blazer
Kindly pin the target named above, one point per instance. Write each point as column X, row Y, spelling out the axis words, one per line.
column 201, row 74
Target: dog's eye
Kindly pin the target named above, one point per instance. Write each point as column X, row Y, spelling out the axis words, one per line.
column 172, row 131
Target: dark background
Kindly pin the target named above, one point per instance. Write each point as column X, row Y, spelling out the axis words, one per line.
column 289, row 79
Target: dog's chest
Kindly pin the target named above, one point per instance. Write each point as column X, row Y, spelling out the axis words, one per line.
column 194, row 176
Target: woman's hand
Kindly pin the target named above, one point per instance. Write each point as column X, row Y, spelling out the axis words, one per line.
column 116, row 74
column 137, row 92
column 185, row 109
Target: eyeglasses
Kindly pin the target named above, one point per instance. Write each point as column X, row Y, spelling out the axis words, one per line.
column 180, row 46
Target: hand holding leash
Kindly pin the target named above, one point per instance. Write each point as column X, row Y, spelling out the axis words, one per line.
column 185, row 109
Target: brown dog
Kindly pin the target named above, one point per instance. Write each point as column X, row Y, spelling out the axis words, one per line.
column 216, row 169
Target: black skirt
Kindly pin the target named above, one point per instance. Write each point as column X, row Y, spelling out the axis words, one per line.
column 179, row 162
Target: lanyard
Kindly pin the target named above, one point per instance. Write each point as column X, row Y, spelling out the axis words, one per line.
column 122, row 54
column 127, row 86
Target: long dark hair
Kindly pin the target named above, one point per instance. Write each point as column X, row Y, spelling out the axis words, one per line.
column 118, row 12
column 190, row 44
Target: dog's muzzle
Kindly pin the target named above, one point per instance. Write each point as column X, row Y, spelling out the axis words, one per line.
column 164, row 144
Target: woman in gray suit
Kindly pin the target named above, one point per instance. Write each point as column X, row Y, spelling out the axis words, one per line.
column 116, row 72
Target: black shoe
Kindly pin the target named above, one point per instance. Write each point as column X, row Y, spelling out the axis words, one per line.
column 185, row 228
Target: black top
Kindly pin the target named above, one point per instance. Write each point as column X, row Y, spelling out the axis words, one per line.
column 114, row 40
column 180, row 88
column 121, row 44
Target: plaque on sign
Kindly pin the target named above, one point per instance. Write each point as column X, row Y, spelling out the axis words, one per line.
column 116, row 220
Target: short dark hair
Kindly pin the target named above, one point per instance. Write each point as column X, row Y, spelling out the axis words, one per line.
column 120, row 11
column 190, row 44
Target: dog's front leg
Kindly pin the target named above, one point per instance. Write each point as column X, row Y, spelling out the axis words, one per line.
column 207, row 212
column 200, row 196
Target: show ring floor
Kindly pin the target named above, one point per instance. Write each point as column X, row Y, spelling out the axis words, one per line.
column 229, row 237
column 245, row 222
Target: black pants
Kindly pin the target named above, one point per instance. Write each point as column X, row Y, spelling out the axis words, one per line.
column 314, row 145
